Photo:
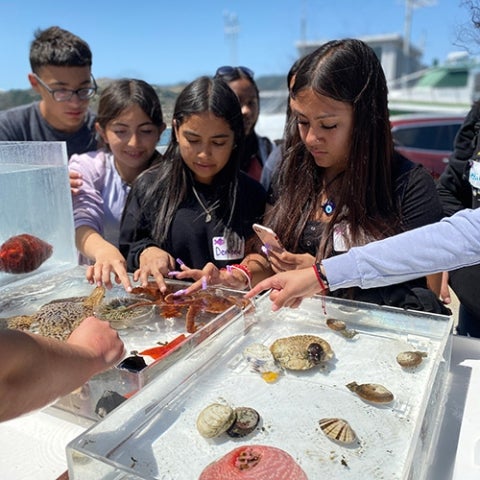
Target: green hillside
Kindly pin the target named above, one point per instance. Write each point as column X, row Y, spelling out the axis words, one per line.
column 167, row 94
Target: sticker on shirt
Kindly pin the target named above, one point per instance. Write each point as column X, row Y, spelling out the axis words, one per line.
column 474, row 176
column 222, row 251
column 340, row 233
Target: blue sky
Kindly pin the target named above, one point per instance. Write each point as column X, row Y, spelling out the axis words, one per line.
column 165, row 42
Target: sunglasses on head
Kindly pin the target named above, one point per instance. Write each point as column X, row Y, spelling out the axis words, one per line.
column 227, row 70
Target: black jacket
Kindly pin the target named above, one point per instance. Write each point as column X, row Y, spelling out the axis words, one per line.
column 453, row 188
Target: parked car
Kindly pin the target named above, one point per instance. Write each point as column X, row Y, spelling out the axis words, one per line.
column 426, row 138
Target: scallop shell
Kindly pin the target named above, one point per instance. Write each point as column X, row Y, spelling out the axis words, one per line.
column 410, row 359
column 338, row 429
column 341, row 327
column 246, row 420
column 301, row 352
column 215, row 420
column 371, row 392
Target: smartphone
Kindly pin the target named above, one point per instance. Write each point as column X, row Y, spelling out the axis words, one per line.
column 268, row 237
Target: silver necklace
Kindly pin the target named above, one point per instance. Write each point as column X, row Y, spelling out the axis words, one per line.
column 208, row 216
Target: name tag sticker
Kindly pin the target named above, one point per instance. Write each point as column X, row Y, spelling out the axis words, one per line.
column 474, row 176
column 339, row 241
column 221, row 251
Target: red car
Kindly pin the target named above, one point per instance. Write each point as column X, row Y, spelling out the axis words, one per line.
column 426, row 138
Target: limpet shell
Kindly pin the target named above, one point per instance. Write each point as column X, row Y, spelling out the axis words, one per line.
column 215, row 420
column 246, row 420
column 301, row 352
column 338, row 429
column 411, row 359
column 371, row 392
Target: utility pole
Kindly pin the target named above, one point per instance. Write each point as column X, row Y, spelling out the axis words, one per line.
column 303, row 22
column 231, row 29
column 410, row 5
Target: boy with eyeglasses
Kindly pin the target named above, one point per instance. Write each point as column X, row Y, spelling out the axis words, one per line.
column 61, row 74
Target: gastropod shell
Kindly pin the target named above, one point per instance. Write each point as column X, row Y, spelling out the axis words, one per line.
column 411, row 359
column 341, row 327
column 371, row 392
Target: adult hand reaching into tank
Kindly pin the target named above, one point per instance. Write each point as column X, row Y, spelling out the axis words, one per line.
column 36, row 370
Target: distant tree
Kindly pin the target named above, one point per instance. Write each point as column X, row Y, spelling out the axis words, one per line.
column 468, row 35
column 14, row 98
column 167, row 94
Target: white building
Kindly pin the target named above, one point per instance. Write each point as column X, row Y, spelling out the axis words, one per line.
column 389, row 49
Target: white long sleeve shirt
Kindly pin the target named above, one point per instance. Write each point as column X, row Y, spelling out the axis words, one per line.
column 449, row 244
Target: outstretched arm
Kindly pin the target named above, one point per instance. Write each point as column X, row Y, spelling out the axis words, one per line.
column 36, row 370
column 446, row 245
column 289, row 288
column 443, row 246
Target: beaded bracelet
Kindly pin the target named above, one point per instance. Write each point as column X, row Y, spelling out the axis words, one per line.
column 245, row 271
column 322, row 279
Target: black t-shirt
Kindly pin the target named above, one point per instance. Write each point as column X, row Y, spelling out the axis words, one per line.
column 190, row 238
column 415, row 196
column 418, row 203
column 453, row 186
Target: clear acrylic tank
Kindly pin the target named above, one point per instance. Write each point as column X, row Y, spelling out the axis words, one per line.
column 35, row 199
column 154, row 434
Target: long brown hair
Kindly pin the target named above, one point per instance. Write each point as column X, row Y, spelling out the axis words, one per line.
column 348, row 71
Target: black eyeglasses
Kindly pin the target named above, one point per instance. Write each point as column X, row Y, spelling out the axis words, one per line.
column 227, row 70
column 64, row 94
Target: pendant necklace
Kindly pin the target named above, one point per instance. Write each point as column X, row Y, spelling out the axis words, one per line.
column 208, row 215
column 328, row 206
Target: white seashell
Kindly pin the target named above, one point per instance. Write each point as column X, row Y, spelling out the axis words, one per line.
column 260, row 358
column 338, row 429
column 215, row 420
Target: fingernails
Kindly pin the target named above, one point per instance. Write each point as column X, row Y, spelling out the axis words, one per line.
column 229, row 268
column 204, row 283
column 180, row 262
column 179, row 292
column 264, row 249
column 173, row 273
